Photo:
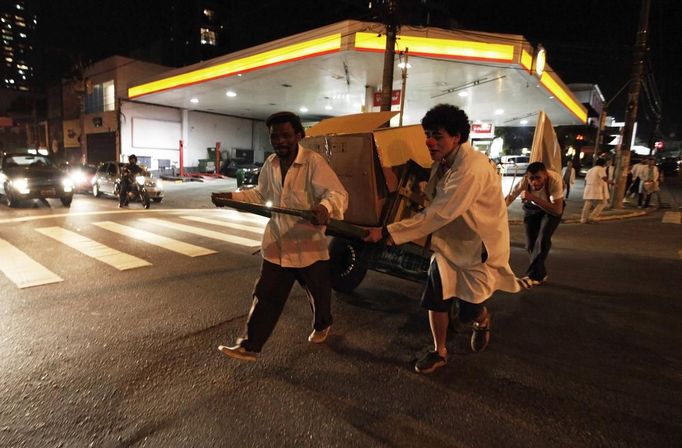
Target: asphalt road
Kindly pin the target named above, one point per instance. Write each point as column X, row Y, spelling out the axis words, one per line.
column 129, row 358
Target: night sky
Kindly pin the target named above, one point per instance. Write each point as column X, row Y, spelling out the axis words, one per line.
column 586, row 41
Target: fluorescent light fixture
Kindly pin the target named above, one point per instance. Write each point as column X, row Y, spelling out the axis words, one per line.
column 303, row 109
column 524, row 121
column 194, row 100
column 403, row 65
column 499, row 111
column 328, row 107
column 231, row 93
column 463, row 94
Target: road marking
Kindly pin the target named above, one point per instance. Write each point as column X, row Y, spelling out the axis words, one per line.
column 157, row 240
column 672, row 218
column 234, row 215
column 254, row 229
column 23, row 270
column 93, row 249
column 203, row 232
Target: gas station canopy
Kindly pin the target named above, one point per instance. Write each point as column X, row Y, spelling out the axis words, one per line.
column 337, row 70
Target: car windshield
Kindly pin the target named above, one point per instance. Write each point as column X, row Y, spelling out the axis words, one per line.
column 26, row 160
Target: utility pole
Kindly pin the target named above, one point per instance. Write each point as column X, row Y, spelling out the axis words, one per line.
column 392, row 27
column 639, row 53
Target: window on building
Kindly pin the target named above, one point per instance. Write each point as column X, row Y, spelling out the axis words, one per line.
column 209, row 13
column 208, row 37
column 101, row 99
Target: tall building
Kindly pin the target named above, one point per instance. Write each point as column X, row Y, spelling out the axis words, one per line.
column 197, row 31
column 18, row 23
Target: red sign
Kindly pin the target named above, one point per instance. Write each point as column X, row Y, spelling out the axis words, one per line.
column 482, row 128
column 395, row 98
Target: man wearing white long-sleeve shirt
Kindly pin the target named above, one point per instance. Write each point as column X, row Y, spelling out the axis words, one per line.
column 293, row 249
column 469, row 234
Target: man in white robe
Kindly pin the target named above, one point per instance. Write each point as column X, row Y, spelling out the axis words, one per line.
column 469, row 234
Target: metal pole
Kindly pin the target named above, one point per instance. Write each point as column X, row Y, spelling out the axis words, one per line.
column 402, row 92
column 639, row 53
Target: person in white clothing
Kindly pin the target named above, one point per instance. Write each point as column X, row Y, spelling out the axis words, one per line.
column 596, row 189
column 568, row 177
column 466, row 219
column 293, row 249
column 650, row 179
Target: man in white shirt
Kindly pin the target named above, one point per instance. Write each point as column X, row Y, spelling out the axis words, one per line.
column 293, row 249
column 542, row 193
column 469, row 234
column 649, row 182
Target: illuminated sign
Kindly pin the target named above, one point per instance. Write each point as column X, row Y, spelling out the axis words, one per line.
column 288, row 53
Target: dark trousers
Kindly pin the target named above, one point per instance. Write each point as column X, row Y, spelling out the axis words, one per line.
column 123, row 194
column 539, row 227
column 271, row 293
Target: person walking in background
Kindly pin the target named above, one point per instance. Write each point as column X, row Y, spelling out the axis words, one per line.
column 542, row 193
column 568, row 177
column 596, row 189
column 636, row 171
column 293, row 249
column 467, row 229
column 650, row 180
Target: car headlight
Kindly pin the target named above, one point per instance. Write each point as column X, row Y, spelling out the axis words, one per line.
column 21, row 185
column 78, row 177
column 139, row 180
column 67, row 183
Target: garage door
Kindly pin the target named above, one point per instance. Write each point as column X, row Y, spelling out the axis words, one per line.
column 101, row 147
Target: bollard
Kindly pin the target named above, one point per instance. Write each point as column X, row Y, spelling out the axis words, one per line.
column 240, row 177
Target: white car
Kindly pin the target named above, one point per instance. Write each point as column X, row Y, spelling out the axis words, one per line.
column 514, row 165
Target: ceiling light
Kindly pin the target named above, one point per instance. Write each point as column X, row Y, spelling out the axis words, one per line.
column 240, row 75
column 524, row 121
column 194, row 100
column 303, row 109
column 231, row 94
column 403, row 65
column 463, row 94
column 499, row 111
column 328, row 107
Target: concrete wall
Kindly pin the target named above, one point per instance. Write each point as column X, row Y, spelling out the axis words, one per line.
column 199, row 130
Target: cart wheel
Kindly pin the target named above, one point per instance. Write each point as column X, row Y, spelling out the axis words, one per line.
column 347, row 271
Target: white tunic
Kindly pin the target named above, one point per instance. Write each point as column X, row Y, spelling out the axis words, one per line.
column 468, row 211
column 595, row 187
column 290, row 241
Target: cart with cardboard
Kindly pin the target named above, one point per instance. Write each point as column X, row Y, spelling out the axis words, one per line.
column 384, row 171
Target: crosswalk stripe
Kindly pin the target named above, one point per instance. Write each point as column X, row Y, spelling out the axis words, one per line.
column 203, row 232
column 157, row 240
column 23, row 270
column 672, row 218
column 93, row 249
column 234, row 215
column 255, row 229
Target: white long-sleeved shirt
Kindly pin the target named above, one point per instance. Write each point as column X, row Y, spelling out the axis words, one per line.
column 290, row 241
column 467, row 212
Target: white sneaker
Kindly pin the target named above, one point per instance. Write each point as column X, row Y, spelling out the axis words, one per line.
column 319, row 337
column 238, row 352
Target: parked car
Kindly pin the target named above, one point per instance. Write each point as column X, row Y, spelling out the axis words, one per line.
column 81, row 176
column 229, row 168
column 33, row 176
column 107, row 181
column 513, row 165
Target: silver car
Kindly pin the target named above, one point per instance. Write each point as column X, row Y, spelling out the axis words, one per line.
column 514, row 165
column 107, row 181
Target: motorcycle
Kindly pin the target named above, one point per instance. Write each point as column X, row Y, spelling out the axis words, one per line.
column 136, row 188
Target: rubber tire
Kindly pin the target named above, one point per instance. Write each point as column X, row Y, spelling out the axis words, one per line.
column 144, row 197
column 346, row 271
column 95, row 190
column 9, row 198
column 66, row 200
column 157, row 200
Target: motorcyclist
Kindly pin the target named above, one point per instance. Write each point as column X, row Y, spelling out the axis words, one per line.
column 128, row 174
